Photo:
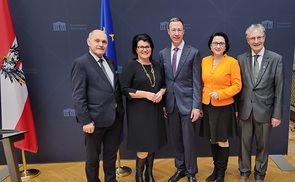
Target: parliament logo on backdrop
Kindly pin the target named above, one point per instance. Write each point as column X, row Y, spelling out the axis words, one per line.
column 268, row 24
column 164, row 25
column 62, row 26
column 69, row 112
column 59, row 26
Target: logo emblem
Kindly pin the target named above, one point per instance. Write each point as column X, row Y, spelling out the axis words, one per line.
column 164, row 25
column 268, row 24
column 59, row 26
column 11, row 67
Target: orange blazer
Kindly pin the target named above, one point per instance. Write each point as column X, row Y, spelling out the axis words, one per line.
column 225, row 79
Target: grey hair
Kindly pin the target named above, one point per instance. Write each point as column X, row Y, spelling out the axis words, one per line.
column 253, row 27
column 90, row 34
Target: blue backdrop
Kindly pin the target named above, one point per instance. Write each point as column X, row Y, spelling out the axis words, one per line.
column 51, row 34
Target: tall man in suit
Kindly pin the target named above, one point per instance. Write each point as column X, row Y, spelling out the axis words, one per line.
column 260, row 102
column 182, row 66
column 98, row 104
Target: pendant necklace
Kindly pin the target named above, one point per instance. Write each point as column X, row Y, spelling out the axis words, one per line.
column 146, row 73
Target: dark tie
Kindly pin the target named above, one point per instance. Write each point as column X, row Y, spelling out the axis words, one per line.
column 256, row 68
column 174, row 59
column 104, row 70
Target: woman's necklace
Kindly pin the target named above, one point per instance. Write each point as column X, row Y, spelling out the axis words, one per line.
column 149, row 77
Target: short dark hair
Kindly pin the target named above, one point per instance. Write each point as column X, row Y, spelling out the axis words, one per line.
column 144, row 37
column 175, row 19
column 225, row 39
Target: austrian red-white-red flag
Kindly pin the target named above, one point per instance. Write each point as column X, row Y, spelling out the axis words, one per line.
column 15, row 103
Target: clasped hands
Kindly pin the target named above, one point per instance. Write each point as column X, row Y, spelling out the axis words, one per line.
column 154, row 97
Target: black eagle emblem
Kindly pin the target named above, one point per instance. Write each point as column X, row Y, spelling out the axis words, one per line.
column 11, row 66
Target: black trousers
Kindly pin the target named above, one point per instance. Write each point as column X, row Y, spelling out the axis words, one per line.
column 109, row 138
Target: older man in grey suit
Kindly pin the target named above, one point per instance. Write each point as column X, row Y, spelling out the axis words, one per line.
column 260, row 102
column 183, row 98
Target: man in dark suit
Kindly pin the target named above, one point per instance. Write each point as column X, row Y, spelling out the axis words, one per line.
column 98, row 104
column 182, row 66
column 260, row 102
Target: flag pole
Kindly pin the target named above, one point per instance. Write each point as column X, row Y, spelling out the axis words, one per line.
column 121, row 171
column 27, row 173
column 106, row 24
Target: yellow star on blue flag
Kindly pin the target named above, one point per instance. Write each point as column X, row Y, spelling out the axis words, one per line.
column 106, row 24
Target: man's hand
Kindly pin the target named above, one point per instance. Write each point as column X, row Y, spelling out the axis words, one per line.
column 275, row 122
column 195, row 114
column 88, row 128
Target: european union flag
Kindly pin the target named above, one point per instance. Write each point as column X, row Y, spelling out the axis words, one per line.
column 106, row 24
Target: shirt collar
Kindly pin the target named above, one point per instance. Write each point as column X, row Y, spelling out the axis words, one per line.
column 96, row 57
column 261, row 53
column 180, row 47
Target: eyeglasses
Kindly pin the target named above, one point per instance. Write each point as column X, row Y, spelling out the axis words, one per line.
column 221, row 44
column 253, row 39
column 176, row 30
column 143, row 47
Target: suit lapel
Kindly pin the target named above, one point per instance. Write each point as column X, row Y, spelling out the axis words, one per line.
column 250, row 66
column 264, row 64
column 112, row 67
column 182, row 59
column 98, row 69
column 168, row 61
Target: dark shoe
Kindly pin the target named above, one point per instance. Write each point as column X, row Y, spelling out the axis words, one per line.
column 192, row 179
column 139, row 169
column 177, row 176
column 223, row 154
column 214, row 150
column 149, row 168
column 258, row 176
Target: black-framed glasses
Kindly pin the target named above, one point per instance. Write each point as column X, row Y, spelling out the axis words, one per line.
column 221, row 44
column 143, row 47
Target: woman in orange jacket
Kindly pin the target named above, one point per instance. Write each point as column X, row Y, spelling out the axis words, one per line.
column 221, row 82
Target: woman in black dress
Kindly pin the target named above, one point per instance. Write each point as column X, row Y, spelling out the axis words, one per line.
column 142, row 83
